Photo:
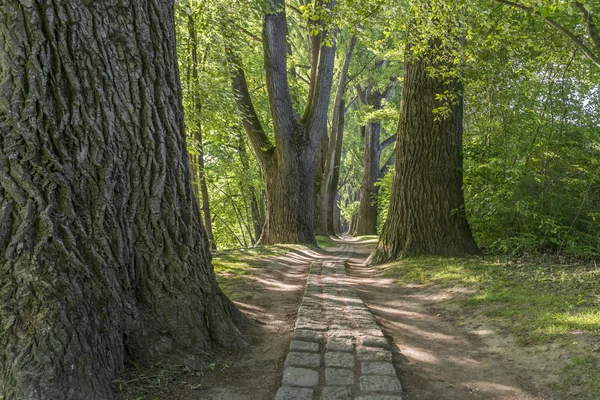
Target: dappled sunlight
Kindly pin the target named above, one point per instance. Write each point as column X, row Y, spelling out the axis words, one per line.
column 420, row 355
column 438, row 358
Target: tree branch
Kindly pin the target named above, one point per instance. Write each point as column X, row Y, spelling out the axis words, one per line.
column 275, row 53
column 589, row 24
column 390, row 161
column 262, row 146
column 388, row 141
column 595, row 59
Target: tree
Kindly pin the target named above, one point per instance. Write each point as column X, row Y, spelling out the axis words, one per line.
column 104, row 257
column 329, row 173
column 544, row 11
column 289, row 163
column 366, row 222
column 426, row 213
column 198, row 164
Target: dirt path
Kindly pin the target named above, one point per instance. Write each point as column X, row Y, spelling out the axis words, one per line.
column 437, row 355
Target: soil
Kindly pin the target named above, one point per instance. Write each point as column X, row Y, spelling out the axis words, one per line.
column 438, row 352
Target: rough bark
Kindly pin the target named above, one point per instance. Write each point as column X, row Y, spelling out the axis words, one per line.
column 103, row 255
column 289, row 164
column 426, row 213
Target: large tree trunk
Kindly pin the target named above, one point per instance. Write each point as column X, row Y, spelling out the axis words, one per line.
column 427, row 210
column 289, row 163
column 104, row 257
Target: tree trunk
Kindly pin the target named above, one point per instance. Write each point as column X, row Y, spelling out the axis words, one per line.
column 331, row 153
column 289, row 163
column 197, row 134
column 258, row 219
column 104, row 257
column 427, row 210
column 333, row 214
column 366, row 223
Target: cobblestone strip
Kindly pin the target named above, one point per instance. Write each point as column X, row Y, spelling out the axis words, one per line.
column 338, row 351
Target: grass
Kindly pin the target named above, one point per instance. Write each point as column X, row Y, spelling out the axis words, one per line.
column 324, row 241
column 367, row 238
column 233, row 267
column 536, row 301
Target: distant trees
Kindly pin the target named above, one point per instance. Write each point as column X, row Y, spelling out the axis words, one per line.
column 103, row 254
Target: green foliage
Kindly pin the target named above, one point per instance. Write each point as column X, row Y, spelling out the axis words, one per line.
column 532, row 153
column 324, row 241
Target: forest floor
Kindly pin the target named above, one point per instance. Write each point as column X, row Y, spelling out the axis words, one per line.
column 442, row 349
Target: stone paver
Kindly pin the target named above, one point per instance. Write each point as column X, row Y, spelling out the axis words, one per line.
column 302, row 377
column 336, row 393
column 298, row 345
column 339, row 377
column 294, row 393
column 375, row 383
column 295, row 359
column 338, row 351
column 377, row 368
column 339, row 359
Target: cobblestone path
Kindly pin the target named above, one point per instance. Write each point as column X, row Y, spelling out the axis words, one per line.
column 338, row 351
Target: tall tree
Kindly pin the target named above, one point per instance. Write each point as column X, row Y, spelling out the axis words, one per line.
column 426, row 213
column 329, row 179
column 104, row 257
column 289, row 163
column 198, row 164
column 366, row 223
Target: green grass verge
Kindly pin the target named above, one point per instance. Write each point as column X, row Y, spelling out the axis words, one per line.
column 233, row 267
column 324, row 241
column 537, row 302
column 367, row 238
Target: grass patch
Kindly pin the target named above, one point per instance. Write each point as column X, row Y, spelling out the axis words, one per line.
column 233, row 267
column 367, row 238
column 324, row 241
column 537, row 302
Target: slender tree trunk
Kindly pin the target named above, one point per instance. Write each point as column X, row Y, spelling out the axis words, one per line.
column 103, row 255
column 367, row 212
column 331, row 153
column 257, row 217
column 197, row 134
column 427, row 210
column 333, row 214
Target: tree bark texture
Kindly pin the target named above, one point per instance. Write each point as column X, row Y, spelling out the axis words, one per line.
column 103, row 254
column 289, row 164
column 426, row 213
